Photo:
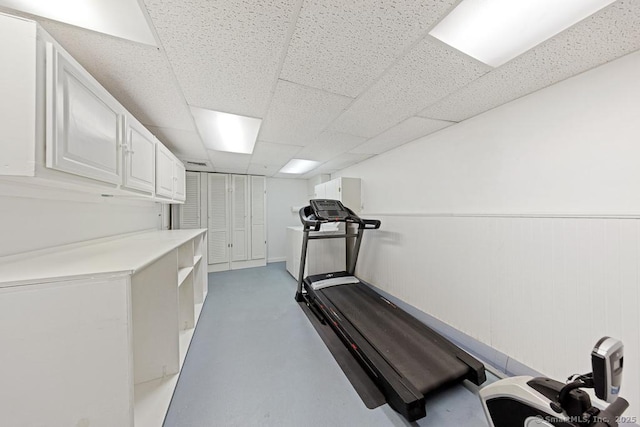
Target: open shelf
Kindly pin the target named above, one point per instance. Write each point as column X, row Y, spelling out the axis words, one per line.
column 198, row 311
column 145, row 296
column 183, row 273
column 150, row 396
column 185, row 341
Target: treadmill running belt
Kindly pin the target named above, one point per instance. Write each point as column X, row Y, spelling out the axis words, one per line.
column 415, row 351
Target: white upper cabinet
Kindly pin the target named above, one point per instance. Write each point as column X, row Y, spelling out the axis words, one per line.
column 62, row 127
column 347, row 190
column 18, row 101
column 84, row 122
column 180, row 189
column 139, row 157
column 165, row 168
column 170, row 175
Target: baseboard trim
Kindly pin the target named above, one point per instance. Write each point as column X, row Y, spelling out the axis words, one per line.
column 276, row 259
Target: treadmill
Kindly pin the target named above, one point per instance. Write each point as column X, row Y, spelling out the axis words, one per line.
column 404, row 358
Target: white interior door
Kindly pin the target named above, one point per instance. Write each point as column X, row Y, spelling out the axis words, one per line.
column 239, row 217
column 190, row 209
column 218, row 218
column 258, row 223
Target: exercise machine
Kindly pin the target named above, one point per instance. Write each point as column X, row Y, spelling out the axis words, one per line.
column 542, row 402
column 405, row 358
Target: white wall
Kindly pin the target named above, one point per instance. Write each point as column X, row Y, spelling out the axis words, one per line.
column 520, row 226
column 30, row 223
column 282, row 195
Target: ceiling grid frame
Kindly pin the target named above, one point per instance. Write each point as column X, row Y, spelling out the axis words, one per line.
column 296, row 123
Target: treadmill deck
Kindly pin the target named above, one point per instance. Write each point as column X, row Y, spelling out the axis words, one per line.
column 416, row 352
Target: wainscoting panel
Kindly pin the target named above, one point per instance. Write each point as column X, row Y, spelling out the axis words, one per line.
column 542, row 290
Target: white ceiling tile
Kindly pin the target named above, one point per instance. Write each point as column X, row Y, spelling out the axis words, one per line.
column 232, row 170
column 343, row 46
column 426, row 74
column 297, row 114
column 137, row 75
column 328, row 145
column 224, row 161
column 268, row 153
column 609, row 34
column 266, row 170
column 342, row 161
column 408, row 130
column 317, row 172
column 225, row 53
column 187, row 143
column 288, row 176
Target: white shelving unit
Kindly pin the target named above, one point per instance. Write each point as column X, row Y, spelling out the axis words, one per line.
column 64, row 130
column 112, row 320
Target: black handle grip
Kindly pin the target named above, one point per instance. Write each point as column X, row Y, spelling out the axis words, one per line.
column 308, row 218
column 372, row 224
column 607, row 418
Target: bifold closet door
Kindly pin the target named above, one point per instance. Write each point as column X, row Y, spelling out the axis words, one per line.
column 239, row 211
column 258, row 223
column 218, row 218
column 190, row 210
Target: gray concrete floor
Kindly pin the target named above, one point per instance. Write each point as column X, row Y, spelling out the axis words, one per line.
column 255, row 360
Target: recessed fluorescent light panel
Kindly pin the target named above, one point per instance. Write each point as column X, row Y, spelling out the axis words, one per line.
column 119, row 18
column 226, row 132
column 299, row 166
column 496, row 31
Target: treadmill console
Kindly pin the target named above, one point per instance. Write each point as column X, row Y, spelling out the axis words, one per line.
column 329, row 210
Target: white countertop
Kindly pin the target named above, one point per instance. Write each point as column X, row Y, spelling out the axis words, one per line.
column 124, row 255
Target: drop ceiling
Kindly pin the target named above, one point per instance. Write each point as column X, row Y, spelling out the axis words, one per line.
column 334, row 81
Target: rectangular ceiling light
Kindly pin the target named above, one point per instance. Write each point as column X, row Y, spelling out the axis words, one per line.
column 299, row 166
column 119, row 18
column 226, row 132
column 496, row 31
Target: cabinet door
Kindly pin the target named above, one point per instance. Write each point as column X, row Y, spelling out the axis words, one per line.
column 139, row 155
column 333, row 190
column 164, row 171
column 320, row 191
column 190, row 210
column 179, row 177
column 239, row 211
column 65, row 351
column 84, row 122
column 218, row 218
column 258, row 223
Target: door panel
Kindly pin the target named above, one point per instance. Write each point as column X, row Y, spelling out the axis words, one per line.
column 84, row 122
column 190, row 210
column 218, row 218
column 239, row 210
column 258, row 223
column 139, row 155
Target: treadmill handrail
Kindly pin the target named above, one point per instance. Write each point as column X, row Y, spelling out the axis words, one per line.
column 309, row 220
column 312, row 223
